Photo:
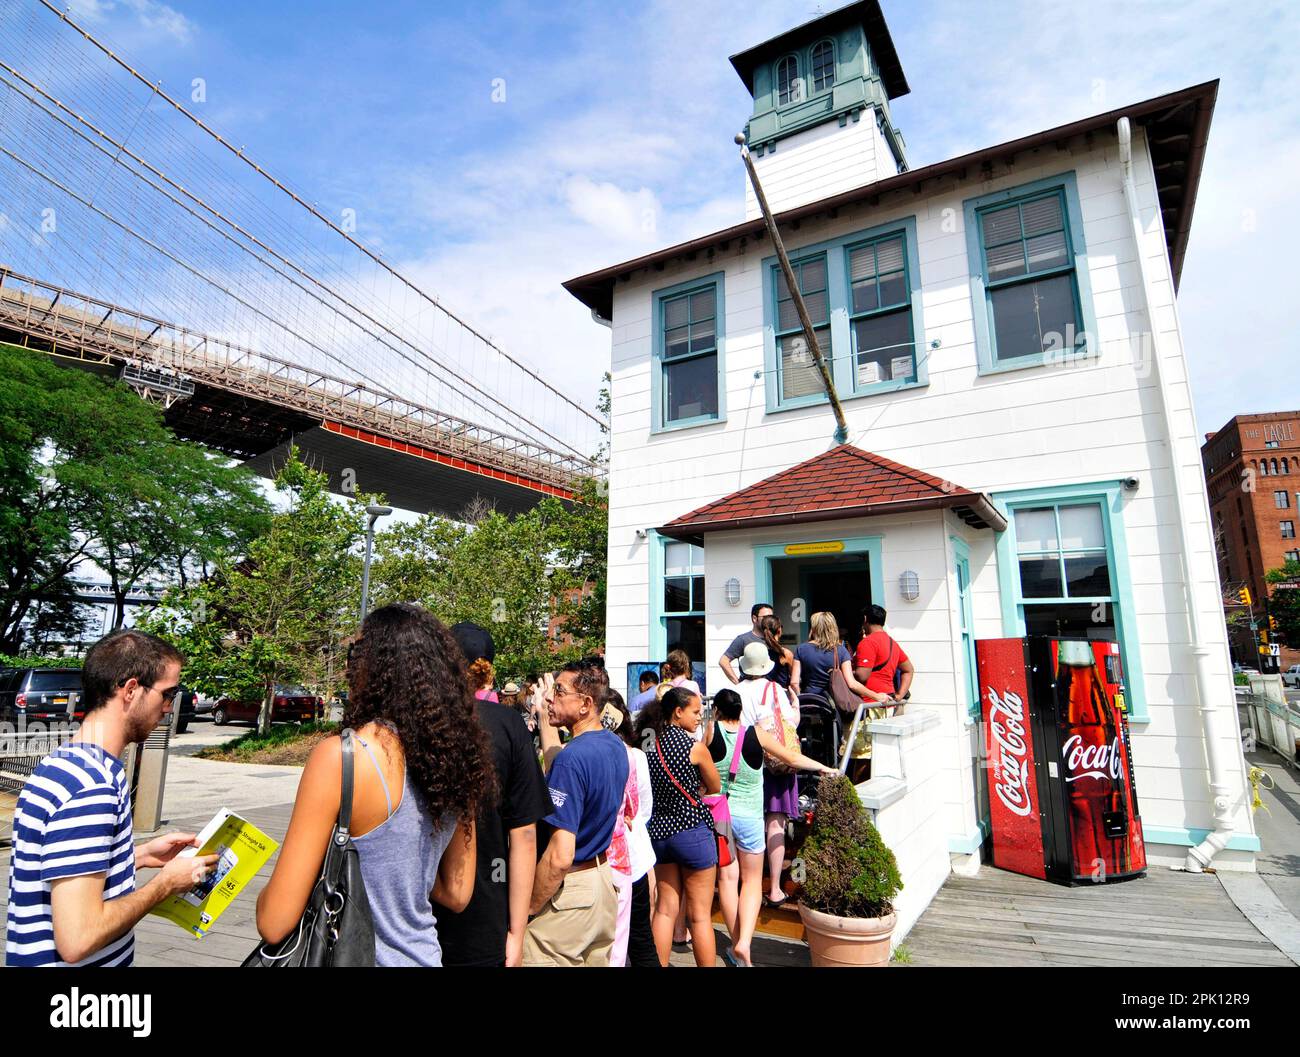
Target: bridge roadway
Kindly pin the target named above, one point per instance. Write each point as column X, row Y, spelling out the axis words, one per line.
column 253, row 407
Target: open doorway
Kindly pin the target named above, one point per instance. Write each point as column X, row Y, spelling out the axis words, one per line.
column 840, row 584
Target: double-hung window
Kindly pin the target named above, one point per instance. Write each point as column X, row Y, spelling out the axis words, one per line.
column 1063, row 572
column 683, row 598
column 880, row 312
column 1288, row 530
column 1282, row 500
column 1028, row 275
column 1061, row 550
column 863, row 295
column 688, row 334
column 796, row 368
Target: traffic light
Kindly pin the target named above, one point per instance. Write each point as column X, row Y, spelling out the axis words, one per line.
column 1243, row 596
column 1272, row 623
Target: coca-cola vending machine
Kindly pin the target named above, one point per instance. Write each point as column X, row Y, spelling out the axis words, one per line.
column 1062, row 801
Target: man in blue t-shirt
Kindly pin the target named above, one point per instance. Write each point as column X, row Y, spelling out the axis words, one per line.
column 574, row 897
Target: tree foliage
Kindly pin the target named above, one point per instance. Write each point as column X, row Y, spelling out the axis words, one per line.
column 280, row 614
column 90, row 471
column 1284, row 602
column 509, row 574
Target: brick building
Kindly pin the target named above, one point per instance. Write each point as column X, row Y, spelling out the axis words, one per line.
column 1252, row 472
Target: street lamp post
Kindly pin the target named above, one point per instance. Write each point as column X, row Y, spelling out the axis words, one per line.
column 376, row 512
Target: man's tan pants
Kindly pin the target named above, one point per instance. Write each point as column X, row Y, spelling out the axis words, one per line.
column 576, row 925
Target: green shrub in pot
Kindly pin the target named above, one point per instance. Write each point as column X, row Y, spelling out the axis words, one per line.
column 849, row 871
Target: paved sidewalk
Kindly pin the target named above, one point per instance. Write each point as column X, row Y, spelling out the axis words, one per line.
column 1278, row 827
column 161, row 943
column 198, row 789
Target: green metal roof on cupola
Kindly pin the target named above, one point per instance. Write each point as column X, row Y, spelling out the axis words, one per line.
column 865, row 14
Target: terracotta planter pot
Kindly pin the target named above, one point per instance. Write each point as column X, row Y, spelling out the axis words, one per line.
column 847, row 943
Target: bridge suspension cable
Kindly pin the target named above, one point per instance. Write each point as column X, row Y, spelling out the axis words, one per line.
column 150, row 216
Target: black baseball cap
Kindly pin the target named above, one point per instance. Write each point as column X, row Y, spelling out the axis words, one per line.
column 474, row 641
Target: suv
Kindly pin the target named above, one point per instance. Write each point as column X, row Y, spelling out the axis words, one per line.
column 40, row 694
column 1291, row 677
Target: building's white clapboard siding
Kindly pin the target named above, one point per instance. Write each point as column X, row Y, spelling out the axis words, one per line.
column 1094, row 420
column 819, row 162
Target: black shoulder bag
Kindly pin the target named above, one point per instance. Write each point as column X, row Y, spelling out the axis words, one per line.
column 336, row 929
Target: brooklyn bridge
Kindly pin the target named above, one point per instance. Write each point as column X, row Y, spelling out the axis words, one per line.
column 140, row 242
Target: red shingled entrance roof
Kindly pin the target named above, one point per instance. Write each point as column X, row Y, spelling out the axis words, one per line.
column 844, row 482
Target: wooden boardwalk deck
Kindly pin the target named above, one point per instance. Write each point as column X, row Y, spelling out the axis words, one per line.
column 1164, row 918
column 992, row 919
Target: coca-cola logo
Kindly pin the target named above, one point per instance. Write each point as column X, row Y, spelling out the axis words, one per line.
column 1090, row 761
column 1010, row 764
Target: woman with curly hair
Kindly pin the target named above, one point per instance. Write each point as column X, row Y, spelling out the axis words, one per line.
column 482, row 679
column 424, row 769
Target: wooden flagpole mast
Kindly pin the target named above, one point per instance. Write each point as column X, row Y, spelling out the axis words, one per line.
column 841, row 426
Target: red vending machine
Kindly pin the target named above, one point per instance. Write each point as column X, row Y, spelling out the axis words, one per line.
column 1062, row 800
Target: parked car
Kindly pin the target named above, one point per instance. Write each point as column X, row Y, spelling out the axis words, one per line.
column 292, row 704
column 40, row 694
column 1291, row 677
column 186, row 706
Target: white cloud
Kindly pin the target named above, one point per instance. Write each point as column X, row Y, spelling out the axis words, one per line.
column 156, row 18
column 608, row 208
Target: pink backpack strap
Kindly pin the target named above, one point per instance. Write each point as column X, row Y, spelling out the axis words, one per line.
column 735, row 758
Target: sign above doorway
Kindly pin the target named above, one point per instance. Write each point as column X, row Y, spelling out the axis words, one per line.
column 825, row 547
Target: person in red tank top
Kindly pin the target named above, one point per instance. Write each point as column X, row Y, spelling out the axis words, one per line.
column 878, row 658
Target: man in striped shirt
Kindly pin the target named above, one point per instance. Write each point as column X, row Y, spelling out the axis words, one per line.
column 72, row 894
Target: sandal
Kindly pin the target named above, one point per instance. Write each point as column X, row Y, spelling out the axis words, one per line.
column 775, row 904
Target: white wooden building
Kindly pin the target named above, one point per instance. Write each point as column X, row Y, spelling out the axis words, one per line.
column 1004, row 337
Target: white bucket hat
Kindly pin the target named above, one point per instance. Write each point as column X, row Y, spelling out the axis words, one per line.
column 756, row 660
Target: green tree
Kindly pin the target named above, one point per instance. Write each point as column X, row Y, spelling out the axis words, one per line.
column 1284, row 602
column 279, row 615
column 495, row 572
column 163, row 505
column 578, row 539
column 90, row 471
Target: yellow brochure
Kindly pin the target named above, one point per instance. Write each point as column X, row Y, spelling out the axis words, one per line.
column 241, row 849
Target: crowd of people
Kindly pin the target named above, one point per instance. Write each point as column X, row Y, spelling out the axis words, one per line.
column 549, row 823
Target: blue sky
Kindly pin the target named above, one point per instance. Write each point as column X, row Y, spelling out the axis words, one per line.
column 614, row 137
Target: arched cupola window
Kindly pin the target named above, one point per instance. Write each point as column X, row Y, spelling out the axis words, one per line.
column 789, row 89
column 822, row 66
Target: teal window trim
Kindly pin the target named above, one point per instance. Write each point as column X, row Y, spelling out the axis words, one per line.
column 1109, row 496
column 658, row 637
column 658, row 381
column 779, row 334
column 1066, row 185
column 912, row 283
column 961, row 569
column 871, row 546
column 843, row 365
